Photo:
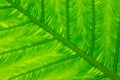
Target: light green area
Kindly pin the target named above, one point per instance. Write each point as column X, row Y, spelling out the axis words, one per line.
column 59, row 39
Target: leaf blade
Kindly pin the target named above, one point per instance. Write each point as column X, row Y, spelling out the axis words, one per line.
column 70, row 45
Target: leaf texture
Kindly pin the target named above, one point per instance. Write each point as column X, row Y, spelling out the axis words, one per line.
column 59, row 40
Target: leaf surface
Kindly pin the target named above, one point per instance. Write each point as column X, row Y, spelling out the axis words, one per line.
column 59, row 40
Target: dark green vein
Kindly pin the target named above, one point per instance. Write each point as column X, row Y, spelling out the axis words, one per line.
column 100, row 77
column 93, row 28
column 43, row 11
column 5, row 7
column 15, row 26
column 28, row 46
column 115, row 65
column 89, row 59
column 17, row 2
column 46, row 66
column 117, row 50
column 68, row 19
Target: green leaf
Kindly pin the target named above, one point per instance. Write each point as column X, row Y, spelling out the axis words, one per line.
column 59, row 40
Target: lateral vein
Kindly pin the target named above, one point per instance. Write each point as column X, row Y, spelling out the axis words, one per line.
column 46, row 66
column 93, row 28
column 28, row 46
column 68, row 19
column 15, row 26
column 117, row 49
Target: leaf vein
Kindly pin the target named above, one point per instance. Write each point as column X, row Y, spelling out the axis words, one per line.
column 47, row 65
column 28, row 46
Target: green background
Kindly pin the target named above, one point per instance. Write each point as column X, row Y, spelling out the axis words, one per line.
column 59, row 39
